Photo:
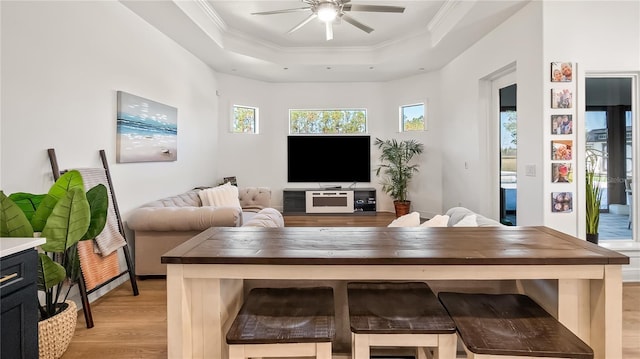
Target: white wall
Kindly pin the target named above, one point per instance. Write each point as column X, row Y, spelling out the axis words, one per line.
column 598, row 37
column 261, row 159
column 464, row 107
column 62, row 63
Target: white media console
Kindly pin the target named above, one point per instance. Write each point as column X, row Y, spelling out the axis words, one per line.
column 327, row 201
column 336, row 201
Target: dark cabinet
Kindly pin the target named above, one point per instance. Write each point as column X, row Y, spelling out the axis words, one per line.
column 19, row 305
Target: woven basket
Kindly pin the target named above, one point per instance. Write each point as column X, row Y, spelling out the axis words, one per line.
column 55, row 333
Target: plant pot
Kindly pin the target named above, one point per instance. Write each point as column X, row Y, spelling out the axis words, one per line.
column 402, row 207
column 592, row 237
column 55, row 333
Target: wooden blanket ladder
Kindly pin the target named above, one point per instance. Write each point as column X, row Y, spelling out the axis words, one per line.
column 97, row 271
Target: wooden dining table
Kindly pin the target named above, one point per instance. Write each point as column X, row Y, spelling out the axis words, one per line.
column 578, row 282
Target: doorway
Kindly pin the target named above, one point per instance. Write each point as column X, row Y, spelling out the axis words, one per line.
column 508, row 154
column 609, row 135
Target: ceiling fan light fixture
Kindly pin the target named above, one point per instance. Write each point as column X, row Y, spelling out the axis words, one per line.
column 327, row 12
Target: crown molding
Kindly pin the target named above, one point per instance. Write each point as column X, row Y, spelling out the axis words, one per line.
column 450, row 13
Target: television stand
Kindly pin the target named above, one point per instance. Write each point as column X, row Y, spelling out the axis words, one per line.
column 360, row 201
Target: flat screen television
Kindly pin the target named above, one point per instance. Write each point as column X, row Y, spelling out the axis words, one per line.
column 321, row 158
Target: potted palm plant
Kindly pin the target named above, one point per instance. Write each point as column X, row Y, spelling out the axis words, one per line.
column 593, row 195
column 64, row 216
column 397, row 169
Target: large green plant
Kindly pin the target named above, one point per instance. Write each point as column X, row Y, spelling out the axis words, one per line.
column 593, row 191
column 395, row 158
column 64, row 216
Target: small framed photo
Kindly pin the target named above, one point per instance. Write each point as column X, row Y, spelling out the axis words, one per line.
column 561, row 202
column 231, row 180
column 561, row 124
column 561, row 71
column 561, row 98
column 561, row 150
column 561, row 172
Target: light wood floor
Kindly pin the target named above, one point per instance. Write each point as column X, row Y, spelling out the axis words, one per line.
column 136, row 327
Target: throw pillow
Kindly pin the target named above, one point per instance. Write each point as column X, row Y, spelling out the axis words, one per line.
column 408, row 220
column 436, row 221
column 224, row 195
column 467, row 221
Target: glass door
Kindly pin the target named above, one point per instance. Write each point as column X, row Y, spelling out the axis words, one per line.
column 609, row 129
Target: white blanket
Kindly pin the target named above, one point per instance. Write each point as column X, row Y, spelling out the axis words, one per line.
column 110, row 239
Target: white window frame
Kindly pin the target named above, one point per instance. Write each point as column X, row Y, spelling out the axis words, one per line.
column 401, row 115
column 364, row 110
column 256, row 119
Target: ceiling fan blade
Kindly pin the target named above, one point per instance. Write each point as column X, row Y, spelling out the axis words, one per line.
column 356, row 23
column 283, row 11
column 329, row 31
column 372, row 8
column 304, row 22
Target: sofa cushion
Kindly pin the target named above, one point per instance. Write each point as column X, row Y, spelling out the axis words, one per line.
column 437, row 221
column 183, row 218
column 468, row 221
column 187, row 199
column 408, row 220
column 456, row 214
column 268, row 217
column 225, row 195
column 253, row 199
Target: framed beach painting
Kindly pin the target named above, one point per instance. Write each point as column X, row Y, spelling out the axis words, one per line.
column 147, row 131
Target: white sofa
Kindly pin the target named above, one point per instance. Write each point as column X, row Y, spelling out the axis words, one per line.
column 162, row 225
column 457, row 214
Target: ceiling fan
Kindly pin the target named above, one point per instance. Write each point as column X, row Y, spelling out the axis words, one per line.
column 329, row 11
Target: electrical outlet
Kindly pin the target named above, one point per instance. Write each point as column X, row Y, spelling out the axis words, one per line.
column 530, row 170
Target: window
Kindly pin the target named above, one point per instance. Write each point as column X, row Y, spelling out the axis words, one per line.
column 412, row 118
column 345, row 121
column 245, row 119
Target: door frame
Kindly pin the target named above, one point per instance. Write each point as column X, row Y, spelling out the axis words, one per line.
column 581, row 142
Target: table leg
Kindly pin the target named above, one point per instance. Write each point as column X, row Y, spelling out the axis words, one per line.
column 606, row 314
column 208, row 306
column 574, row 308
column 178, row 318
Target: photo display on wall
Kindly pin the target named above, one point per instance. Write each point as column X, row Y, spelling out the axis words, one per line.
column 562, row 91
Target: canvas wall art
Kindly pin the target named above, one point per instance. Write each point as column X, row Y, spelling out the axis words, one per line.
column 561, row 172
column 561, row 72
column 562, row 150
column 561, row 98
column 561, row 124
column 147, row 131
column 561, row 202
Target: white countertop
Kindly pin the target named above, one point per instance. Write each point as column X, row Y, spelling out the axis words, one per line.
column 9, row 246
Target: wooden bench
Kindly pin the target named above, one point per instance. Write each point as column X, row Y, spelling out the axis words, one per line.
column 284, row 322
column 393, row 314
column 510, row 326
